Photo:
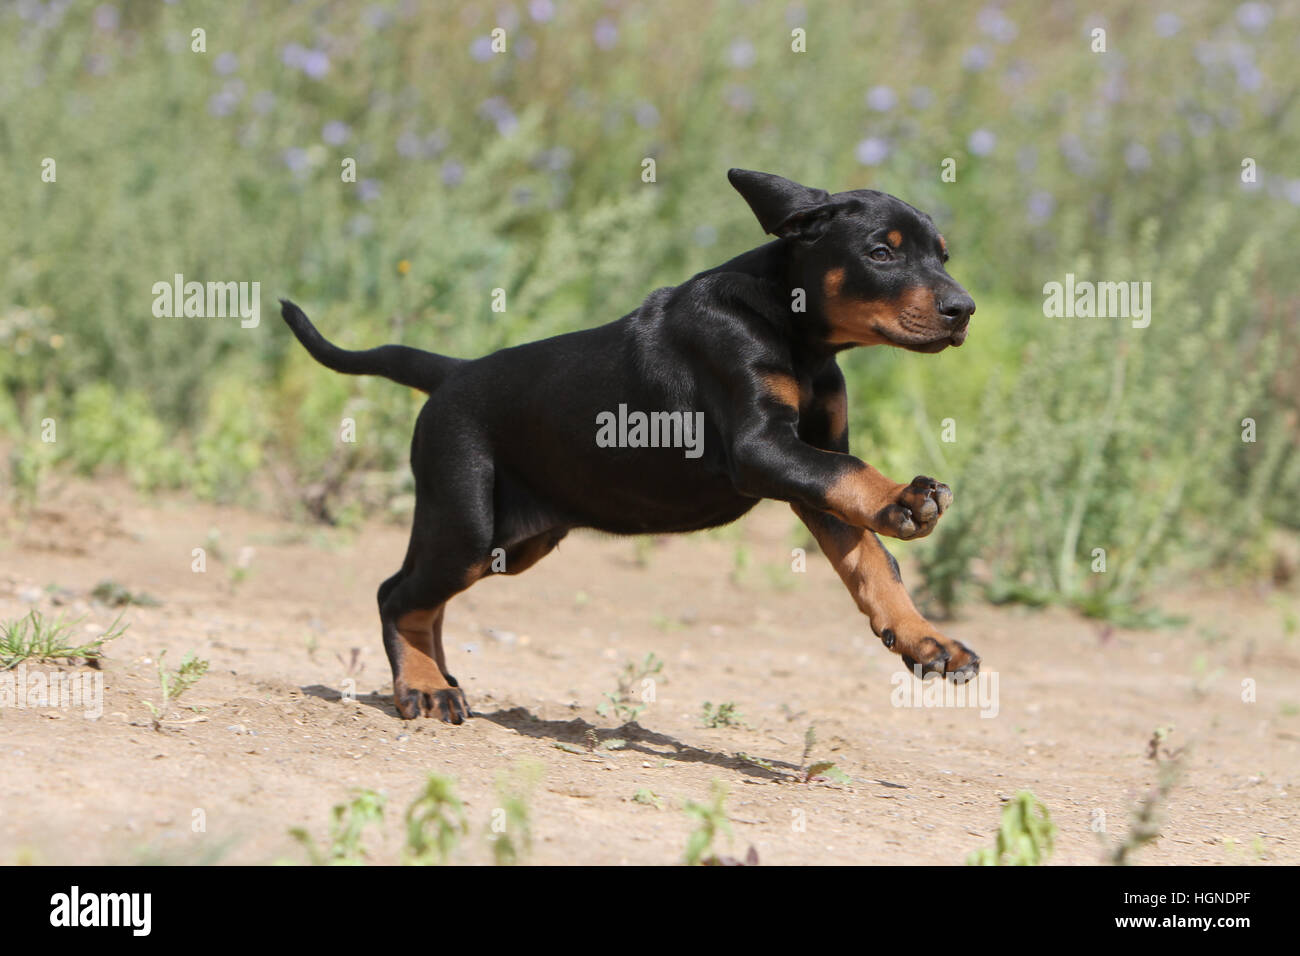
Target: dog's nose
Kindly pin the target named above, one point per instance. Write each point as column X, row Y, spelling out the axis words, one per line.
column 957, row 309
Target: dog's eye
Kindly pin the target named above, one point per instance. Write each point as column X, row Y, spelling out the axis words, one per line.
column 880, row 254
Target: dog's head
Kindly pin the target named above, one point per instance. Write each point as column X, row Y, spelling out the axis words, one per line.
column 871, row 264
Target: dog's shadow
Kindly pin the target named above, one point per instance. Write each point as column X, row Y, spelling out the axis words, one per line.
column 381, row 702
column 581, row 734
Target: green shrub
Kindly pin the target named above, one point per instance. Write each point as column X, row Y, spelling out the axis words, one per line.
column 1123, row 440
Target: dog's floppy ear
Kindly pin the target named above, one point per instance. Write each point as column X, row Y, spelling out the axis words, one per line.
column 783, row 207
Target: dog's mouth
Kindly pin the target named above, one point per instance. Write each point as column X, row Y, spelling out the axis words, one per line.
column 924, row 337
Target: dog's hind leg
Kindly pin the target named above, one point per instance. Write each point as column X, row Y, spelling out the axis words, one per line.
column 422, row 687
column 449, row 550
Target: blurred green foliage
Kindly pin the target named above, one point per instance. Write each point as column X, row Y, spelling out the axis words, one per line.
column 522, row 171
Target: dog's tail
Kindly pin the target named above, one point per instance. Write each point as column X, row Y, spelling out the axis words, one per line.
column 402, row 364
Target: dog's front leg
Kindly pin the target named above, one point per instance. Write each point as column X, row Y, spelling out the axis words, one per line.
column 871, row 574
column 769, row 460
column 869, row 571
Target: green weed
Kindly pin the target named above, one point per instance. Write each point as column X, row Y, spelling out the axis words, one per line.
column 39, row 639
column 1026, row 835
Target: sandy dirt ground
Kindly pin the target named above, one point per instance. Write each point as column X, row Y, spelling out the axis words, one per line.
column 267, row 740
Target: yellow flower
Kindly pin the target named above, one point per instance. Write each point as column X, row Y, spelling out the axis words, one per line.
column 56, row 341
column 403, row 267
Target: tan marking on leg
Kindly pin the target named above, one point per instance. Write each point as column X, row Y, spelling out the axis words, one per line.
column 871, row 578
column 860, row 495
column 522, row 556
column 420, row 650
column 836, row 406
column 783, row 388
column 439, row 656
column 864, row 566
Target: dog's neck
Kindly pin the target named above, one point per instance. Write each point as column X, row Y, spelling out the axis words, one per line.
column 775, row 263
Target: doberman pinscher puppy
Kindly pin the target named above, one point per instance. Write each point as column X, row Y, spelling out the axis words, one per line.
column 508, row 454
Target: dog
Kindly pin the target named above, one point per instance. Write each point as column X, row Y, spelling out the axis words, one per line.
column 505, row 452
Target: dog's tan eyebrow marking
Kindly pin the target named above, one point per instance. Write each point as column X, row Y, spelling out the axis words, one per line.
column 943, row 245
column 895, row 238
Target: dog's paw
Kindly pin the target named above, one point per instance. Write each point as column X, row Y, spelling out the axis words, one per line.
column 930, row 653
column 915, row 510
column 448, row 704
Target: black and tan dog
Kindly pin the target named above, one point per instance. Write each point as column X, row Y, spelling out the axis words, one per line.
column 506, row 453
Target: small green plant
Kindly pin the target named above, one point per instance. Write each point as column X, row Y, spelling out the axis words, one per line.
column 1148, row 815
column 352, row 665
column 818, row 769
column 1159, row 737
column 348, row 822
column 175, row 683
column 825, row 770
column 435, row 821
column 724, row 715
column 511, row 830
column 809, row 742
column 620, row 702
column 791, row 715
column 37, row 638
column 242, row 568
column 1026, row 837
column 115, row 595
column 648, row 797
column 710, row 820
